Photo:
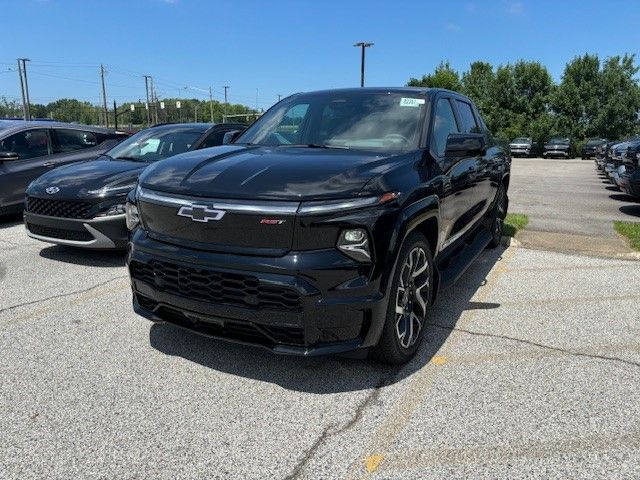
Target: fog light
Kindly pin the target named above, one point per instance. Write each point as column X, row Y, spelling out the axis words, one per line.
column 132, row 217
column 355, row 244
column 117, row 209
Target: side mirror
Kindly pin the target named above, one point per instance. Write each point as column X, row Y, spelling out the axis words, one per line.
column 230, row 136
column 7, row 156
column 465, row 145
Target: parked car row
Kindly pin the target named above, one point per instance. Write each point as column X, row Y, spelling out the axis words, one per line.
column 558, row 147
column 620, row 162
column 327, row 226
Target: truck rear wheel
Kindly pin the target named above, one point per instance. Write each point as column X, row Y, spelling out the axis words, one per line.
column 411, row 293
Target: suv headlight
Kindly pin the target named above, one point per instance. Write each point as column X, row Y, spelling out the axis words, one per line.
column 354, row 242
column 132, row 217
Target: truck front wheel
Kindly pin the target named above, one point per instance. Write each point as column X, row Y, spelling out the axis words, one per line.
column 411, row 293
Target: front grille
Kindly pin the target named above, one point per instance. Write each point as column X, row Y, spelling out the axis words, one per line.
column 236, row 330
column 214, row 286
column 58, row 208
column 60, row 233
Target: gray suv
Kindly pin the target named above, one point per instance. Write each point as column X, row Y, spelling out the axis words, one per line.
column 29, row 149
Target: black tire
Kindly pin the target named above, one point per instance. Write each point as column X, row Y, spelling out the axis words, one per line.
column 394, row 348
column 498, row 216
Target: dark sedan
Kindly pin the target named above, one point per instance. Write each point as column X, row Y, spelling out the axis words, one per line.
column 29, row 149
column 558, row 147
column 83, row 204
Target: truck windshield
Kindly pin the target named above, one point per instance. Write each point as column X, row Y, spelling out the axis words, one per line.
column 154, row 144
column 357, row 120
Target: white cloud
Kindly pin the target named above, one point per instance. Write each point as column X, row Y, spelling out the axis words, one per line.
column 515, row 8
column 452, row 27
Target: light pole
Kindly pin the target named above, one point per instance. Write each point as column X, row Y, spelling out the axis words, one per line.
column 363, row 46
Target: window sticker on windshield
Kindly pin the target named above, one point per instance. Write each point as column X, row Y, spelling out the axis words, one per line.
column 411, row 102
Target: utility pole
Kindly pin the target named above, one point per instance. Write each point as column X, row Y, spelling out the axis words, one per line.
column 24, row 101
column 279, row 97
column 146, row 86
column 154, row 100
column 211, row 103
column 104, row 97
column 196, row 114
column 226, row 87
column 23, row 78
column 362, row 45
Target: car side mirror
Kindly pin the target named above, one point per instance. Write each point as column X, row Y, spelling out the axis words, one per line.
column 7, row 156
column 230, row 136
column 465, row 145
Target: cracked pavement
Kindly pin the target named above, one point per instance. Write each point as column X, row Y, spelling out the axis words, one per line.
column 530, row 370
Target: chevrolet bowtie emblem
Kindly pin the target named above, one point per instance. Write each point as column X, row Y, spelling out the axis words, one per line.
column 201, row 213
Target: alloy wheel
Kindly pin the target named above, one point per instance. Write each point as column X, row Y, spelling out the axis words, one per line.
column 411, row 300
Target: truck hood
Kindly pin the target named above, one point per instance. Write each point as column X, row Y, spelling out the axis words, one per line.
column 260, row 172
column 87, row 179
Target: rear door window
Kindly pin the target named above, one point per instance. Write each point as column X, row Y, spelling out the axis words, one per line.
column 444, row 123
column 469, row 123
column 27, row 144
column 68, row 140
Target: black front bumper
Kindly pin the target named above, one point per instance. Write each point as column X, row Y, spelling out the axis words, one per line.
column 98, row 233
column 304, row 303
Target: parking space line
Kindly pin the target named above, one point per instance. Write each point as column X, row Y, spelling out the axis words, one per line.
column 402, row 410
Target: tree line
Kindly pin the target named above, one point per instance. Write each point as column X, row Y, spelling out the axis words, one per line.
column 594, row 99
column 73, row 110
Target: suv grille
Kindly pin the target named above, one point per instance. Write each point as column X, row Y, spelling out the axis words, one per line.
column 58, row 208
column 75, row 235
column 215, row 287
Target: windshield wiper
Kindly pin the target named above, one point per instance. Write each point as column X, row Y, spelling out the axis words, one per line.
column 315, row 145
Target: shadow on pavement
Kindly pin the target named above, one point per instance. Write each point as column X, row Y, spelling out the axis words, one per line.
column 10, row 220
column 326, row 375
column 622, row 197
column 633, row 210
column 89, row 258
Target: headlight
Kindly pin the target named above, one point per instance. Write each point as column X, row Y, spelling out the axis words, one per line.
column 354, row 243
column 133, row 219
column 117, row 209
column 113, row 190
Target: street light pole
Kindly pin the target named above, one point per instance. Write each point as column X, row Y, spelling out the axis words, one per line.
column 363, row 46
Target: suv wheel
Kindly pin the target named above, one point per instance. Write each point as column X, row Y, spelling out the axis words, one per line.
column 499, row 214
column 411, row 292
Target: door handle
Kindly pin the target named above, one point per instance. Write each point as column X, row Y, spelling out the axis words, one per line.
column 48, row 164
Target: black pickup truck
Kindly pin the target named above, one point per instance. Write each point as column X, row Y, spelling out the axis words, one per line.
column 328, row 226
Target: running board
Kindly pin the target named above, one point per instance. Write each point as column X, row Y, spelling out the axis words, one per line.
column 454, row 265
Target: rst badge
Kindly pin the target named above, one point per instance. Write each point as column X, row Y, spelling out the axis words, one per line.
column 52, row 190
column 201, row 213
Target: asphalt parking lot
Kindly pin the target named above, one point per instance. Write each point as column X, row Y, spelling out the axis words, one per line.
column 571, row 207
column 531, row 369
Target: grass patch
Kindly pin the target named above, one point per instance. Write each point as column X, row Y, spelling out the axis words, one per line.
column 514, row 223
column 630, row 230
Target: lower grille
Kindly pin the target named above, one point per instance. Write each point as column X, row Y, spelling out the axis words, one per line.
column 60, row 233
column 235, row 330
column 58, row 208
column 214, row 286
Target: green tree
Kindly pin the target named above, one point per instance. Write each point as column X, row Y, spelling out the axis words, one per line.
column 444, row 76
column 619, row 98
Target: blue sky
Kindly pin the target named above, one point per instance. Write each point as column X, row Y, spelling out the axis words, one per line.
column 281, row 47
